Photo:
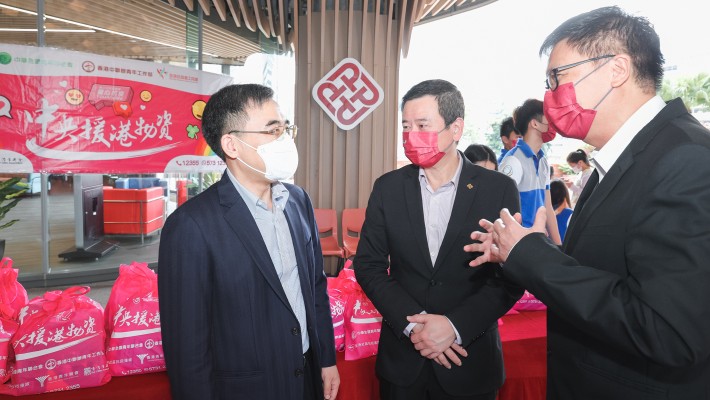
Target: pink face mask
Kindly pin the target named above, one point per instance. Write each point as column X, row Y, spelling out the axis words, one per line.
column 422, row 148
column 565, row 115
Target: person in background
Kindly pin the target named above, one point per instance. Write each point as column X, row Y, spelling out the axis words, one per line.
column 243, row 302
column 482, row 155
column 410, row 260
column 527, row 165
column 579, row 163
column 561, row 203
column 627, row 295
column 508, row 136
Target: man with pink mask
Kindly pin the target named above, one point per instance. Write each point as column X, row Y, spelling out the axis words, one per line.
column 627, row 295
column 410, row 260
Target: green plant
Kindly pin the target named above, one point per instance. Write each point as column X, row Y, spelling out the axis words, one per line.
column 10, row 192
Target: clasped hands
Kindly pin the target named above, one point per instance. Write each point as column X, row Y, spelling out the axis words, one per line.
column 434, row 337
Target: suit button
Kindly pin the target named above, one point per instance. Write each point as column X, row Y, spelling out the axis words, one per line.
column 432, row 283
column 295, row 331
column 298, row 372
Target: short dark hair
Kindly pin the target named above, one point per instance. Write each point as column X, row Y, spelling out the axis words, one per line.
column 577, row 156
column 447, row 95
column 507, row 127
column 531, row 109
column 226, row 110
column 479, row 152
column 609, row 30
column 558, row 193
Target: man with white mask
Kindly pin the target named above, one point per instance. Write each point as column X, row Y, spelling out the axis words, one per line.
column 245, row 313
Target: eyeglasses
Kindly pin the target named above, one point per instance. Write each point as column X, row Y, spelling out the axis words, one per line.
column 290, row 130
column 552, row 81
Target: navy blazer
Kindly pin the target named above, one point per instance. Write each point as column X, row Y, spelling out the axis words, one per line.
column 628, row 314
column 394, row 236
column 228, row 329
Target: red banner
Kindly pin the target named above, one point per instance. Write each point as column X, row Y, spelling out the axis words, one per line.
column 64, row 111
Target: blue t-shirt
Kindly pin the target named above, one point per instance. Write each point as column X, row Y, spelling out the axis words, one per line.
column 562, row 221
column 531, row 172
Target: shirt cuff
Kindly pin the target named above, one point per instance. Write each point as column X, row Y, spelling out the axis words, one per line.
column 458, row 337
column 408, row 328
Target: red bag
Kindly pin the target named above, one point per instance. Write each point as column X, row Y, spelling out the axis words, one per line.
column 337, row 312
column 59, row 344
column 362, row 327
column 529, row 303
column 13, row 295
column 8, row 328
column 134, row 344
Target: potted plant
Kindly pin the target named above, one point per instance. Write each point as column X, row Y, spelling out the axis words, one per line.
column 10, row 192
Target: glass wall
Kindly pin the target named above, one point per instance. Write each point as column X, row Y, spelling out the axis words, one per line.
column 64, row 228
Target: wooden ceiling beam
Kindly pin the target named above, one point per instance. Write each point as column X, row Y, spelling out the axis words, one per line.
column 234, row 11
column 221, row 7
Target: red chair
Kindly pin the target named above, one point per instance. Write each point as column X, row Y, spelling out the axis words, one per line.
column 327, row 221
column 352, row 225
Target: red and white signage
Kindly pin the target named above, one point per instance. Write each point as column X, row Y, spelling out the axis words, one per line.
column 66, row 111
column 348, row 94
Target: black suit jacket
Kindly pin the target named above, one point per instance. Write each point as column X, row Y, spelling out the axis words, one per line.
column 472, row 298
column 629, row 302
column 228, row 329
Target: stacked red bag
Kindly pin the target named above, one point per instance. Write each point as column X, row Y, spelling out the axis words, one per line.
column 134, row 343
column 13, row 297
column 59, row 344
column 356, row 321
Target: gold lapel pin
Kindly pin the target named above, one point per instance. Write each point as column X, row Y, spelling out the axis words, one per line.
column 469, row 186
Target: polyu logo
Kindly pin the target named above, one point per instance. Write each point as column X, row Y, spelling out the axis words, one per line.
column 41, row 380
column 142, row 357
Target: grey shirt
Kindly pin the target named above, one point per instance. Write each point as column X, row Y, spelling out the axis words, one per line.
column 277, row 238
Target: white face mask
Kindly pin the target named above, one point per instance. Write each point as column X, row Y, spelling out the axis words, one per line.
column 280, row 158
column 576, row 169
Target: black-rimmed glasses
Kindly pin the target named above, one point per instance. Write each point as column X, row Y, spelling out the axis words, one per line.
column 552, row 81
column 290, row 130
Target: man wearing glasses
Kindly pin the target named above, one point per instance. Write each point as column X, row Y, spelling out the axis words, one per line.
column 245, row 313
column 628, row 294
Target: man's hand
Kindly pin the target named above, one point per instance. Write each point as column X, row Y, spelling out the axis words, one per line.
column 331, row 382
column 487, row 246
column 507, row 231
column 432, row 335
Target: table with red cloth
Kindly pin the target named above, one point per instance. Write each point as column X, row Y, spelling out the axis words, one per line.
column 524, row 338
column 524, row 352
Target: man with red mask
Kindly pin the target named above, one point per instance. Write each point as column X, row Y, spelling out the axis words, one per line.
column 508, row 136
column 627, row 295
column 436, row 311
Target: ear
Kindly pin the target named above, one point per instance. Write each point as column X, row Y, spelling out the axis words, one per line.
column 229, row 146
column 621, row 69
column 457, row 128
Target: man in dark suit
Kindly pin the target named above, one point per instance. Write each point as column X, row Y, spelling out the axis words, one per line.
column 416, row 224
column 243, row 302
column 628, row 295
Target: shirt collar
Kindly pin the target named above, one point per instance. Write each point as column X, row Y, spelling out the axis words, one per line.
column 525, row 148
column 454, row 179
column 279, row 195
column 605, row 157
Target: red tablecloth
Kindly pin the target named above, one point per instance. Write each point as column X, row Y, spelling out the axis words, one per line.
column 524, row 338
column 524, row 352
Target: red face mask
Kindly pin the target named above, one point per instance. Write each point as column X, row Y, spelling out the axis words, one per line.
column 422, row 148
column 549, row 134
column 565, row 115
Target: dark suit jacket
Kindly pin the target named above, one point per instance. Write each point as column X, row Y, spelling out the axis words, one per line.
column 472, row 298
column 228, row 330
column 629, row 303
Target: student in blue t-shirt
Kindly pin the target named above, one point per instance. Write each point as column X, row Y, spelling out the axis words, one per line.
column 527, row 165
